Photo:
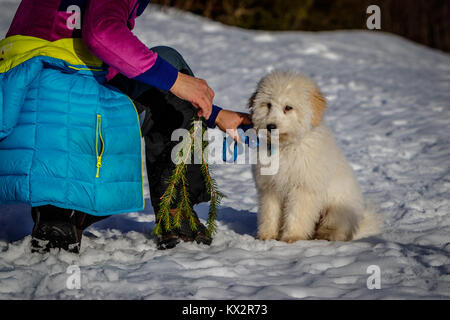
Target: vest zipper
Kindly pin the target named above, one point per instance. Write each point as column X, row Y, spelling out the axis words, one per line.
column 99, row 140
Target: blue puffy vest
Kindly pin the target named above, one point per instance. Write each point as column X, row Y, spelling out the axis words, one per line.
column 66, row 138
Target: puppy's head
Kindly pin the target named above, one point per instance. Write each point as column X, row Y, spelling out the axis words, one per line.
column 289, row 102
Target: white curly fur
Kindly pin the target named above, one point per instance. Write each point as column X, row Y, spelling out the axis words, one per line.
column 314, row 195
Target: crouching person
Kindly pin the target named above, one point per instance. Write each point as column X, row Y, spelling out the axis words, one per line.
column 78, row 95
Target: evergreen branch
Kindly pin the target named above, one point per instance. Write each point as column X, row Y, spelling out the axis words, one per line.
column 169, row 195
column 178, row 215
column 216, row 197
column 187, row 206
column 178, row 182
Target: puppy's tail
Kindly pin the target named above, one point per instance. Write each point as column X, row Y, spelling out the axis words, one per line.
column 371, row 224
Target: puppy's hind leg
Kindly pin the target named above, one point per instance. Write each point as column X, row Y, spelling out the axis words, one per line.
column 269, row 215
column 338, row 223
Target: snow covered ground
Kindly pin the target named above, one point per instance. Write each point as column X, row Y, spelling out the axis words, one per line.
column 389, row 107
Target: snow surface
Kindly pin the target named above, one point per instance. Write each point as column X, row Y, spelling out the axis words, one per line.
column 389, row 109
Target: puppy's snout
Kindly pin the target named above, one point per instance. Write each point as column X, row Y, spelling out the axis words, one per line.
column 271, row 126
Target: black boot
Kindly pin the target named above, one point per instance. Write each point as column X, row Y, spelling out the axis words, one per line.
column 59, row 228
column 170, row 239
column 202, row 236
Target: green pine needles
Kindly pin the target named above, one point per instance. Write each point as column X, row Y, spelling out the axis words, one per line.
column 177, row 192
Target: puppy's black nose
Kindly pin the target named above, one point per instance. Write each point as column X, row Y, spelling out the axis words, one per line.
column 271, row 126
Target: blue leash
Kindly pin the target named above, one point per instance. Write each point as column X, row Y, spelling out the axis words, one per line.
column 238, row 149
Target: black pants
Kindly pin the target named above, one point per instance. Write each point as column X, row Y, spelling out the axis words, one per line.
column 162, row 113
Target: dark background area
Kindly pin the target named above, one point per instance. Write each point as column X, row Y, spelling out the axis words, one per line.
column 423, row 21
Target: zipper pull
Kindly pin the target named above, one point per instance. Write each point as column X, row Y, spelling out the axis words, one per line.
column 99, row 165
column 97, row 142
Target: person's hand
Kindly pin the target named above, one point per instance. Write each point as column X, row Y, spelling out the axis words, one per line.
column 228, row 121
column 196, row 91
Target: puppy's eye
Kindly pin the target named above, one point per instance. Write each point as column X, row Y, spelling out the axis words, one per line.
column 288, row 108
column 269, row 105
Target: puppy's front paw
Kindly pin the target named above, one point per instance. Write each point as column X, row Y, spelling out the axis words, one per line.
column 332, row 234
column 293, row 238
column 267, row 235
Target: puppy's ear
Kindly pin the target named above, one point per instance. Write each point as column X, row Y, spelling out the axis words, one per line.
column 319, row 105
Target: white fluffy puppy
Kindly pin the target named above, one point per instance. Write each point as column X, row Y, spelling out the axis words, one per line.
column 314, row 195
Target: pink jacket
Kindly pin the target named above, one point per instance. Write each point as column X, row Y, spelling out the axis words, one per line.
column 105, row 27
